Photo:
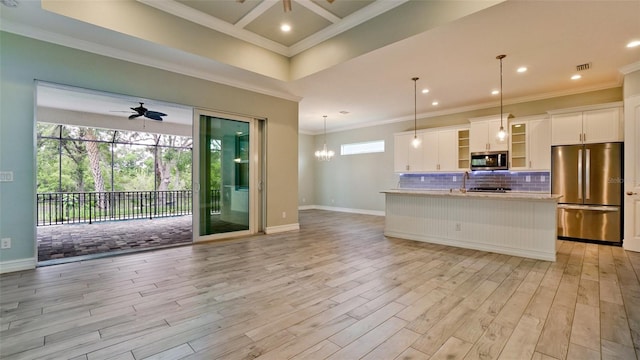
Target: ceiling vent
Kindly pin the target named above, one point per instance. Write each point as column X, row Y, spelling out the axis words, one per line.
column 583, row 67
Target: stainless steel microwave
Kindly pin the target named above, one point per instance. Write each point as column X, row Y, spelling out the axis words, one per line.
column 495, row 160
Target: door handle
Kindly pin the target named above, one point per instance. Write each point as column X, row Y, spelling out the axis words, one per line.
column 580, row 174
column 587, row 174
column 631, row 193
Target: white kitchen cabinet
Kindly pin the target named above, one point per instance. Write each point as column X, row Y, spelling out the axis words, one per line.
column 594, row 124
column 483, row 133
column 407, row 158
column 540, row 144
column 530, row 144
column 438, row 151
column 430, row 151
column 447, row 150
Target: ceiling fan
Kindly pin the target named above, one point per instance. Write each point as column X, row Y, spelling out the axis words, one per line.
column 287, row 4
column 143, row 111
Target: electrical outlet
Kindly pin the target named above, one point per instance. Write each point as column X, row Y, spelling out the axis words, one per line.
column 6, row 176
column 455, row 178
column 527, row 178
column 422, row 178
column 5, row 243
column 458, row 227
column 542, row 178
column 304, row 200
column 284, row 214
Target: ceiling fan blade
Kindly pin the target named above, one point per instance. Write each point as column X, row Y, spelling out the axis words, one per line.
column 154, row 115
column 240, row 1
column 330, row 1
column 133, row 116
column 287, row 5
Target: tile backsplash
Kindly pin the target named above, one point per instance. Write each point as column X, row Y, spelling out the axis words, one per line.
column 517, row 181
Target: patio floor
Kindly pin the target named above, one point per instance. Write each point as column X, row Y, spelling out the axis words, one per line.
column 59, row 243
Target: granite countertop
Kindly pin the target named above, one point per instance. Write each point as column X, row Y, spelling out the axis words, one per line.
column 509, row 195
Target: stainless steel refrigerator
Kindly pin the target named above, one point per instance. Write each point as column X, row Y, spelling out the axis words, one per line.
column 589, row 178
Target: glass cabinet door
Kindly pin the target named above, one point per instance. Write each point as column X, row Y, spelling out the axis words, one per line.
column 519, row 145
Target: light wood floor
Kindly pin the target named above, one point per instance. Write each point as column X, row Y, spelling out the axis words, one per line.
column 337, row 289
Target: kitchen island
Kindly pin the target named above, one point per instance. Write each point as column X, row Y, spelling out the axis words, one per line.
column 520, row 224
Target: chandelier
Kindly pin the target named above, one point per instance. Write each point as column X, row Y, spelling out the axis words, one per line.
column 324, row 154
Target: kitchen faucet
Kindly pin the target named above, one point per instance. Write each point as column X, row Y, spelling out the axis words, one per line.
column 463, row 189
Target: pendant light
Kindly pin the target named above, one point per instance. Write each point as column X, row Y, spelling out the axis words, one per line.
column 415, row 142
column 324, row 154
column 501, row 136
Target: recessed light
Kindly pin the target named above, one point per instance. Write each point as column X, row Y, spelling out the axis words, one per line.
column 634, row 43
column 576, row 77
column 344, row 112
column 522, row 69
column 285, row 27
column 435, row 103
column 495, row 92
column 425, row 91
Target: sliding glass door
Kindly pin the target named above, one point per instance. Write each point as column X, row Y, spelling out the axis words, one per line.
column 227, row 175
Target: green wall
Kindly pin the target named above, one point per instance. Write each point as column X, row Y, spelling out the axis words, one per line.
column 23, row 60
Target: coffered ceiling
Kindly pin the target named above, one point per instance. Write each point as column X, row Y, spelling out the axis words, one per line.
column 259, row 21
column 353, row 60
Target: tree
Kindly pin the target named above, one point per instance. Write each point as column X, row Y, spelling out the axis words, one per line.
column 94, row 160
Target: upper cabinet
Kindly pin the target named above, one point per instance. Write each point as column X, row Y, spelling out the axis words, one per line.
column 463, row 149
column 594, row 124
column 530, row 143
column 439, row 150
column 407, row 158
column 483, row 132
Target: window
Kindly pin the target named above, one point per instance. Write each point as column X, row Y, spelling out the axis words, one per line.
column 362, row 148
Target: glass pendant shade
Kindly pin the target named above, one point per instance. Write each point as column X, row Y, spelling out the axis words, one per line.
column 501, row 136
column 415, row 142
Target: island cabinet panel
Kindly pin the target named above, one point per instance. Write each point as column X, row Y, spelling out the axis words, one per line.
column 520, row 225
column 594, row 124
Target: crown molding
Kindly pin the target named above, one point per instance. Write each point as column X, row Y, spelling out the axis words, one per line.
column 179, row 68
column 462, row 109
column 628, row 69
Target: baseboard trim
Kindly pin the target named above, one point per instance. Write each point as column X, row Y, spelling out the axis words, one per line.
column 340, row 209
column 281, row 228
column 17, row 265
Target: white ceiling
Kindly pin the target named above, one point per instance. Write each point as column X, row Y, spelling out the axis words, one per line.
column 456, row 61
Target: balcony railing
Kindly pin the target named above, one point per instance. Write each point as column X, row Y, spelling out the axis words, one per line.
column 89, row 207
